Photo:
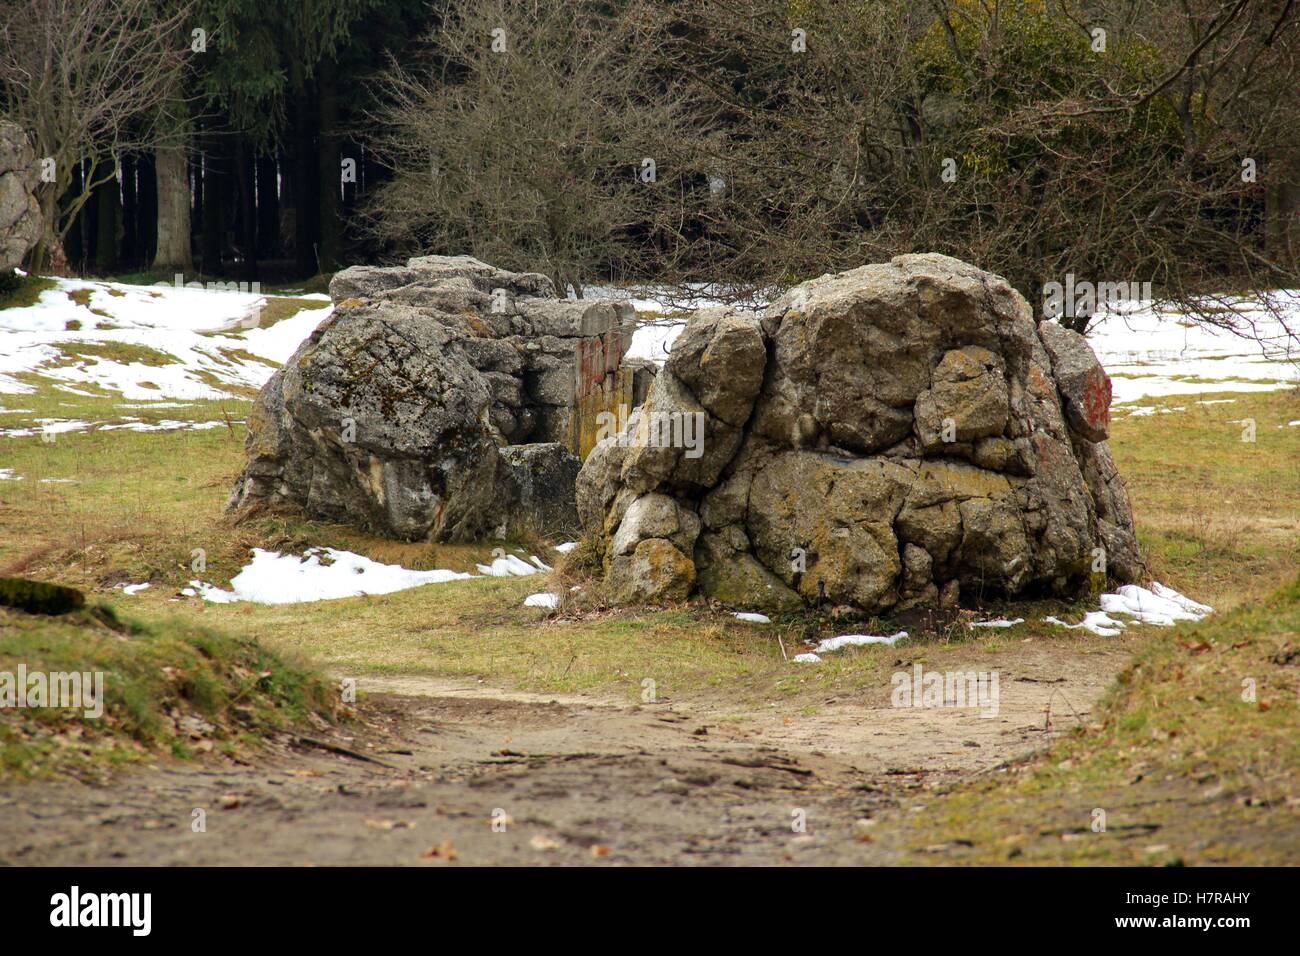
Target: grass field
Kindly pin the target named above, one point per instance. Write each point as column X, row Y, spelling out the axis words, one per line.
column 1218, row 517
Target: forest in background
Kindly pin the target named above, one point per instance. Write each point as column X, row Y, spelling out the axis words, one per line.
column 753, row 142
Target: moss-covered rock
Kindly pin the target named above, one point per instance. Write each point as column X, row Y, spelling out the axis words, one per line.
column 39, row 597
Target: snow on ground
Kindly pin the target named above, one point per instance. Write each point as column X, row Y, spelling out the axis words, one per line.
column 653, row 340
column 751, row 618
column 857, row 640
column 321, row 574
column 1099, row 622
column 649, row 298
column 1151, row 352
column 324, row 574
column 1157, row 605
column 162, row 318
column 505, row 566
column 56, row 426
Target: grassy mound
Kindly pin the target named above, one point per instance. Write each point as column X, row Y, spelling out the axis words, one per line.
column 168, row 686
column 1195, row 759
column 18, row 292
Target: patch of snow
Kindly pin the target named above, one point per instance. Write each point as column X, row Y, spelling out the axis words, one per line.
column 133, row 588
column 998, row 622
column 7, row 474
column 58, row 481
column 1159, row 605
column 544, row 599
column 1150, row 351
column 190, row 326
column 56, row 426
column 806, row 659
column 321, row 574
column 506, row 566
column 566, row 547
column 649, row 298
column 1099, row 622
column 163, row 426
column 654, row 340
column 857, row 640
column 752, row 618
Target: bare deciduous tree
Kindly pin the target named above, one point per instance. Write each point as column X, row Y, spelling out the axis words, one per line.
column 85, row 78
column 539, row 136
column 1006, row 132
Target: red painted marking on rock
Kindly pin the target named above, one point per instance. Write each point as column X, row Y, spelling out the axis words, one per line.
column 1096, row 398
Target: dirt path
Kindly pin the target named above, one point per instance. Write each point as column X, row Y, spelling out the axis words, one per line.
column 569, row 780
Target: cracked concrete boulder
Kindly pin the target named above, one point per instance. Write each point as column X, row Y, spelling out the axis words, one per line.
column 896, row 435
column 434, row 403
column 20, row 213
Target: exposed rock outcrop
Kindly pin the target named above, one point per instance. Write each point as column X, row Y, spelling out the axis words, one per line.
column 889, row 436
column 20, row 214
column 437, row 401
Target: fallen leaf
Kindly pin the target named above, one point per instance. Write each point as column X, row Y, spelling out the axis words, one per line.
column 542, row 842
column 445, row 850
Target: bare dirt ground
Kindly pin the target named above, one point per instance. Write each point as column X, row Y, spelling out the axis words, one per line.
column 567, row 780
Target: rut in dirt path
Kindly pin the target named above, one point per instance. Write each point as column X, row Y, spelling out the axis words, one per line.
column 470, row 775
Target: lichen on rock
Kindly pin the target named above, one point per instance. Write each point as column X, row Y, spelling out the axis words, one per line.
column 20, row 212
column 437, row 401
column 889, row 436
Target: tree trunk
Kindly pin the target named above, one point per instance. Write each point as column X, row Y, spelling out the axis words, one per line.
column 331, row 207
column 246, row 209
column 214, row 204
column 147, row 224
column 288, row 206
column 305, row 185
column 268, row 208
column 173, row 211
column 108, row 216
column 74, row 243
